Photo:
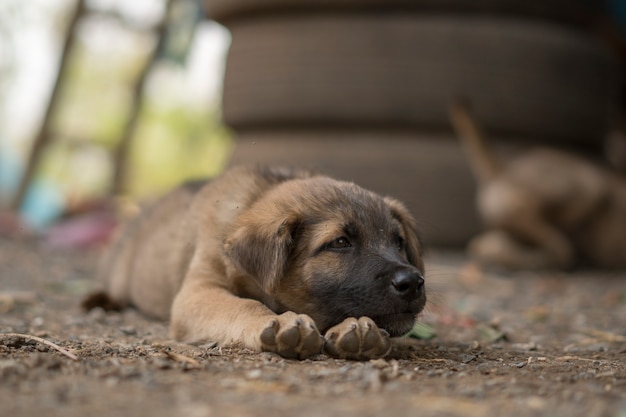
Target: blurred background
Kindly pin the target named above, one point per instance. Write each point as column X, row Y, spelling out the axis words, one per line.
column 109, row 101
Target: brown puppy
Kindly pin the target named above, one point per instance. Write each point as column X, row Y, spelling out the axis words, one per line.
column 268, row 258
column 546, row 208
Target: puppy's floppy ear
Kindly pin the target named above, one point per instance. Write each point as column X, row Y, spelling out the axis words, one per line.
column 414, row 248
column 260, row 247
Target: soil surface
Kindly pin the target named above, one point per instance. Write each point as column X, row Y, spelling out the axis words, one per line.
column 522, row 344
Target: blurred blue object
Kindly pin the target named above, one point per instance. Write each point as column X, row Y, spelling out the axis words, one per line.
column 44, row 202
column 9, row 174
column 184, row 19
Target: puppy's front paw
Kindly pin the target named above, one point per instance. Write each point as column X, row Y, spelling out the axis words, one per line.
column 357, row 339
column 292, row 335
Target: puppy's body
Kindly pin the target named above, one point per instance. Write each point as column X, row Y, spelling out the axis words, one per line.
column 546, row 208
column 265, row 258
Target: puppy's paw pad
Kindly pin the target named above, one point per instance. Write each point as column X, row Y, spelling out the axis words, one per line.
column 371, row 338
column 312, row 343
column 350, row 341
column 357, row 339
column 292, row 336
column 268, row 335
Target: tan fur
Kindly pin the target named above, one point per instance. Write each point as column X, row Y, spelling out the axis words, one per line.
column 253, row 257
column 546, row 208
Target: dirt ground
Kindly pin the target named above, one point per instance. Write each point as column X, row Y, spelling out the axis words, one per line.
column 521, row 344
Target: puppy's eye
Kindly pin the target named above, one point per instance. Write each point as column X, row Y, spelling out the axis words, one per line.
column 339, row 243
column 400, row 242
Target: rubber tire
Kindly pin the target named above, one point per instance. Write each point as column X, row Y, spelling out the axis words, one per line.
column 578, row 12
column 523, row 78
column 430, row 175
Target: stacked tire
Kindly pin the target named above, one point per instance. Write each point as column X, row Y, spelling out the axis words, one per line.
column 360, row 90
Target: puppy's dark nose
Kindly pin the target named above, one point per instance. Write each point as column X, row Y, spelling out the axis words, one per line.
column 407, row 284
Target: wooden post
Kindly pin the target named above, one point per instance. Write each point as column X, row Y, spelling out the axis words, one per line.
column 42, row 140
column 121, row 152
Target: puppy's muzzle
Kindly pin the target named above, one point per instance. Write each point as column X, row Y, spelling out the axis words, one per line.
column 408, row 284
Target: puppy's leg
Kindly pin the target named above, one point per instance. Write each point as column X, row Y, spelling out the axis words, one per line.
column 558, row 251
column 521, row 216
column 357, row 339
column 526, row 244
column 499, row 248
column 203, row 310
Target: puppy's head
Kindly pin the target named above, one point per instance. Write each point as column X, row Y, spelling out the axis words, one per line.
column 333, row 250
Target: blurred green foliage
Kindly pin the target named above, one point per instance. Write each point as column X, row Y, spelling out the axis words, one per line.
column 174, row 141
column 173, row 145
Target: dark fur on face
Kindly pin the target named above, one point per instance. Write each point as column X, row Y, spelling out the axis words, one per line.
column 332, row 250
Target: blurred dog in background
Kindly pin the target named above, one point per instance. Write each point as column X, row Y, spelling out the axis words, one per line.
column 544, row 209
